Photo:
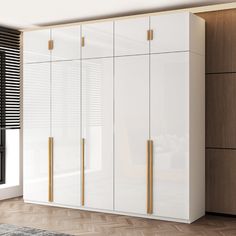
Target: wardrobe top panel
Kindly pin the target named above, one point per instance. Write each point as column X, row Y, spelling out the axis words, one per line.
column 173, row 32
column 163, row 33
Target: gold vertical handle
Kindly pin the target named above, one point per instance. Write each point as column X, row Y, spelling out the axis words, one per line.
column 150, row 176
column 50, row 169
column 82, row 42
column 148, row 183
column 150, row 35
column 50, row 44
column 82, row 171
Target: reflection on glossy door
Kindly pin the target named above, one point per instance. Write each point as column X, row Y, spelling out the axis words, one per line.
column 66, row 131
column 36, row 130
column 98, row 40
column 169, row 127
column 171, row 32
column 66, row 42
column 36, row 46
column 97, row 90
column 131, row 36
column 131, row 132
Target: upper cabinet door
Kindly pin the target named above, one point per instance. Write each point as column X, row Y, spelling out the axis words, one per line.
column 66, row 43
column 170, row 32
column 36, row 46
column 97, row 84
column 131, row 133
column 169, row 102
column 131, row 36
column 98, row 40
column 65, row 100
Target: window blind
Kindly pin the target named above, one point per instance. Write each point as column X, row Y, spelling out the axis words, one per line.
column 10, row 78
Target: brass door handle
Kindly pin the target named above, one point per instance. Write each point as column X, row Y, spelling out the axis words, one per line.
column 82, row 41
column 149, row 176
column 50, row 169
column 150, row 35
column 50, row 45
column 82, row 170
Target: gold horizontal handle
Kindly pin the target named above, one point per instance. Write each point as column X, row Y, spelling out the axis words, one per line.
column 50, row 169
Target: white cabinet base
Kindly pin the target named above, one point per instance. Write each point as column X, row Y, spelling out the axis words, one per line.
column 113, row 212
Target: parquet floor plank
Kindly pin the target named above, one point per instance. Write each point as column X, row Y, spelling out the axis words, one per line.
column 84, row 223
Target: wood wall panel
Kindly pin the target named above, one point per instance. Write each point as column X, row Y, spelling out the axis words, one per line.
column 220, row 41
column 233, row 40
column 221, row 181
column 221, row 111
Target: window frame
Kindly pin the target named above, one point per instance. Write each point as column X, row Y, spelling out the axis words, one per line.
column 2, row 131
column 3, row 156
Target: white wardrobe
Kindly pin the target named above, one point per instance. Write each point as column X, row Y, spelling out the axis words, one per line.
column 114, row 116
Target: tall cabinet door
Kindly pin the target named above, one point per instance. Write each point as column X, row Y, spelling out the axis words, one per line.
column 66, row 131
column 97, row 90
column 131, row 132
column 36, row 130
column 97, row 40
column 36, row 46
column 169, row 130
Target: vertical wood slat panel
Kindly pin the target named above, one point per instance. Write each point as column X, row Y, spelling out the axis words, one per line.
column 220, row 111
column 221, row 181
column 220, row 41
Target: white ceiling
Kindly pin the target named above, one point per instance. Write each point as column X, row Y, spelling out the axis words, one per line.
column 29, row 13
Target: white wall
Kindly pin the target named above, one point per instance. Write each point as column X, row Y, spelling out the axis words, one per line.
column 13, row 186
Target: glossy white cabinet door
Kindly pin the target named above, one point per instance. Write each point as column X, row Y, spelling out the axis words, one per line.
column 66, row 43
column 169, row 129
column 97, row 80
column 66, row 131
column 36, row 46
column 131, row 132
column 170, row 32
column 36, row 130
column 98, row 40
column 131, row 36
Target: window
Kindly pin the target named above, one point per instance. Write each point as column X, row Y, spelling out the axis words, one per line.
column 2, row 131
column 2, row 156
column 9, row 89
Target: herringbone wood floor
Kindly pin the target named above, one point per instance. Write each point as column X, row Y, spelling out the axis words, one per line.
column 76, row 222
